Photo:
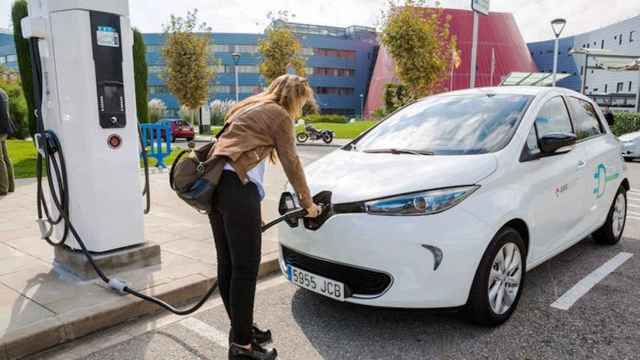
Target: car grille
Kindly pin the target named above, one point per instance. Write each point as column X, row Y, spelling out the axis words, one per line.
column 358, row 281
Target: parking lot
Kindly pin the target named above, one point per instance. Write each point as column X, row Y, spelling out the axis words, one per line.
column 582, row 304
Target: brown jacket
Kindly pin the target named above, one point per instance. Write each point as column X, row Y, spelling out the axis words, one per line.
column 251, row 136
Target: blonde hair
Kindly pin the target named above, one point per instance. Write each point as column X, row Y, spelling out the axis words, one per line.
column 291, row 92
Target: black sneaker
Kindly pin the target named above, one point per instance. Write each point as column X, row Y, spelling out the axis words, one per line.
column 260, row 337
column 256, row 353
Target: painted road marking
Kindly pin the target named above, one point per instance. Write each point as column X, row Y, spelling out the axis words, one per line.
column 583, row 286
column 206, row 331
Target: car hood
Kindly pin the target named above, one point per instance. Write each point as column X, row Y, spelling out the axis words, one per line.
column 356, row 176
column 630, row 136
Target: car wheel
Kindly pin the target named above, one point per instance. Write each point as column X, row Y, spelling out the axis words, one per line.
column 611, row 232
column 499, row 279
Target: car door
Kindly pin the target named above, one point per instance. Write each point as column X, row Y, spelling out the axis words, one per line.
column 602, row 154
column 554, row 182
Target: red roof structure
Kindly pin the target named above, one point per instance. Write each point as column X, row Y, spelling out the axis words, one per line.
column 498, row 33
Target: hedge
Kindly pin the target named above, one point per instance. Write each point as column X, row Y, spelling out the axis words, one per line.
column 321, row 118
column 140, row 75
column 19, row 11
column 626, row 122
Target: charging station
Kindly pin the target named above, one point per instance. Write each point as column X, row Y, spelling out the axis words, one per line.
column 88, row 101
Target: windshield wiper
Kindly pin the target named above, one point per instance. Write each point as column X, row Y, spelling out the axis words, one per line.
column 398, row 151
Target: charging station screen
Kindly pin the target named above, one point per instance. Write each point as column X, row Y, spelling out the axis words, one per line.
column 107, row 36
column 112, row 99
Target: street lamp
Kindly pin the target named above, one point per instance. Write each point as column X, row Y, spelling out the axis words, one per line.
column 557, row 25
column 236, row 60
column 362, row 106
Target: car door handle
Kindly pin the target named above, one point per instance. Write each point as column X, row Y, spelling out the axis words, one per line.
column 581, row 164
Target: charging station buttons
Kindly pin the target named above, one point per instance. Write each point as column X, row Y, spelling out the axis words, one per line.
column 114, row 141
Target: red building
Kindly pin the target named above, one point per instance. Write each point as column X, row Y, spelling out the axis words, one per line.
column 498, row 33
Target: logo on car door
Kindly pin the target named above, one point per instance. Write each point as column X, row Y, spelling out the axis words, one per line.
column 601, row 179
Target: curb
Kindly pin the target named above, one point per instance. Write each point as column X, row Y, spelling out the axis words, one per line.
column 76, row 324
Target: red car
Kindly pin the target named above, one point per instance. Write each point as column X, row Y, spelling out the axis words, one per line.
column 179, row 129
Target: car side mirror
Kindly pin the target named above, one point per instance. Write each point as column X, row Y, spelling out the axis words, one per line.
column 611, row 119
column 556, row 143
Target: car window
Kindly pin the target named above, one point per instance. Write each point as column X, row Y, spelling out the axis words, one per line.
column 532, row 142
column 450, row 125
column 586, row 119
column 553, row 117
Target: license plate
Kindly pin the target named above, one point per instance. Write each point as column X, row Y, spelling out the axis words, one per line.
column 316, row 283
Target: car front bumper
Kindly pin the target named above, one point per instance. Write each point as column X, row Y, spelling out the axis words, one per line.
column 404, row 248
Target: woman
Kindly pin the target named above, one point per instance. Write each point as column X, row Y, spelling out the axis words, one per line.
column 260, row 126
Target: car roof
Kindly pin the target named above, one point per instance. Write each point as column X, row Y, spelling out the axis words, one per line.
column 516, row 90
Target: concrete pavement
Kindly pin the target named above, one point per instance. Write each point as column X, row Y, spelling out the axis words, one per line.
column 41, row 307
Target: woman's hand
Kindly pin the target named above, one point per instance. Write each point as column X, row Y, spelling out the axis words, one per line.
column 313, row 211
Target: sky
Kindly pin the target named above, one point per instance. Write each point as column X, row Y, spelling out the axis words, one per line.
column 532, row 16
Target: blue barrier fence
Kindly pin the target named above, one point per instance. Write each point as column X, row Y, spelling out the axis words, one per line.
column 153, row 137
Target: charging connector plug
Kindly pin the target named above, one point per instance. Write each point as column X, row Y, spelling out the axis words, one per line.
column 118, row 285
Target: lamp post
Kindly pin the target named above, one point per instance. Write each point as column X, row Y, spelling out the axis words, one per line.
column 236, row 60
column 557, row 25
column 362, row 106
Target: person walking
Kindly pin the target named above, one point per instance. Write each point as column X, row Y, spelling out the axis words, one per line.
column 257, row 128
column 7, row 128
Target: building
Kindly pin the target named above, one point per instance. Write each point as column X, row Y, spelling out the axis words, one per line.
column 608, row 88
column 498, row 35
column 339, row 63
column 8, row 56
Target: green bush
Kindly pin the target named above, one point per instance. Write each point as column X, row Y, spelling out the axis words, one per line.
column 320, row 118
column 140, row 74
column 17, row 108
column 625, row 123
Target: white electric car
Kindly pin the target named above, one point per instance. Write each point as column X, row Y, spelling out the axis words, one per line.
column 450, row 200
column 631, row 145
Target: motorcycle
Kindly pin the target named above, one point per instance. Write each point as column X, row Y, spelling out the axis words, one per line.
column 312, row 133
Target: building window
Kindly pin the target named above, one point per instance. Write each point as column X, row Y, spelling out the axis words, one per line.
column 220, row 48
column 12, row 58
column 346, row 54
column 340, row 91
column 243, row 69
column 248, row 89
column 3, row 60
column 155, row 69
column 218, row 69
column 154, row 48
column 322, row 71
column 619, row 87
column 631, row 36
column 220, row 89
column 158, row 89
column 251, row 49
column 306, row 51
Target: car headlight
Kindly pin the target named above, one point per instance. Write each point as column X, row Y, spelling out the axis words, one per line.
column 420, row 203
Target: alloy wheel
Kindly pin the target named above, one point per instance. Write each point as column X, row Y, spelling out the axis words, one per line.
column 505, row 278
column 619, row 215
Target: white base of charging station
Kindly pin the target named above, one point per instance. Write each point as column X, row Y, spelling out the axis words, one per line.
column 118, row 261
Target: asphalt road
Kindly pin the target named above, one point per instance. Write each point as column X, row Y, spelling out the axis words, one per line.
column 602, row 324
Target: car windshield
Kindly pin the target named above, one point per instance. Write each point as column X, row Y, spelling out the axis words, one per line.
column 449, row 125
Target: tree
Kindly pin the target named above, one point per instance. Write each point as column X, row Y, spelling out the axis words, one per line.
column 157, row 108
column 395, row 96
column 19, row 11
column 140, row 74
column 420, row 43
column 280, row 49
column 186, row 55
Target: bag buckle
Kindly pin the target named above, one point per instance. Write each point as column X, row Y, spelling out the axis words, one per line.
column 200, row 168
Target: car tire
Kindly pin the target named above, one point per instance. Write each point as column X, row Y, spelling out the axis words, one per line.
column 611, row 232
column 506, row 244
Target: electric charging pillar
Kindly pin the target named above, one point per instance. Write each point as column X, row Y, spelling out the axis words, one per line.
column 88, row 100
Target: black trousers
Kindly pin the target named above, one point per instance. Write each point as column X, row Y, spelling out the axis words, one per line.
column 236, row 222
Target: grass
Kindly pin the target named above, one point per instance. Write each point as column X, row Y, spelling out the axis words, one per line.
column 23, row 157
column 343, row 131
